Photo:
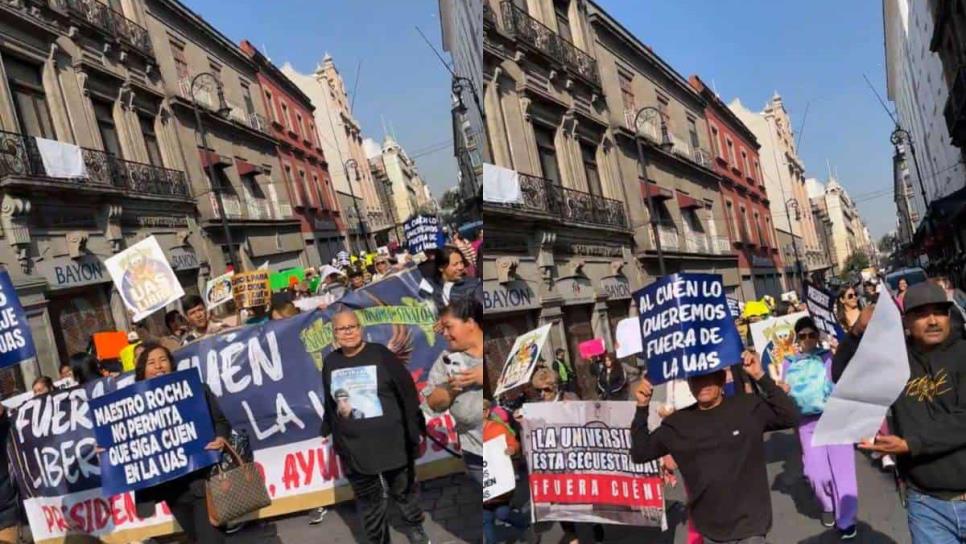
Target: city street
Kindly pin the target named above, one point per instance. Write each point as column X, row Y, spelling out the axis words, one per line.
column 795, row 513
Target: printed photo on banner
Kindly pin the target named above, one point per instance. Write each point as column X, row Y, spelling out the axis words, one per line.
column 774, row 339
column 218, row 290
column 821, row 306
column 144, row 278
column 581, row 469
column 16, row 342
column 522, row 359
column 498, row 476
column 153, row 431
column 686, row 327
column 356, row 392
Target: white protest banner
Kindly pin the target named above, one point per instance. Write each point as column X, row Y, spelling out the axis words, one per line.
column 628, row 336
column 873, row 380
column 581, row 468
column 522, row 359
column 686, row 327
column 774, row 339
column 497, row 469
column 144, row 278
column 218, row 290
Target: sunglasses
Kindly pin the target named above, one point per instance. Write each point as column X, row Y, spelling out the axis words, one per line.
column 808, row 336
column 849, row 296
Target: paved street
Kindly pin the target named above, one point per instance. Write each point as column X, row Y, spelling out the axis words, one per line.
column 795, row 512
column 451, row 503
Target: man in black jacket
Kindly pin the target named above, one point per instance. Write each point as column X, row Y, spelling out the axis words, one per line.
column 717, row 444
column 929, row 417
column 377, row 437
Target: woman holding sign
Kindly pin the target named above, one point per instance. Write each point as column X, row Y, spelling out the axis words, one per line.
column 185, row 495
column 829, row 469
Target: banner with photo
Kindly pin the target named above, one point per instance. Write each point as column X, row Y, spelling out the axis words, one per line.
column 774, row 339
column 144, row 278
column 522, row 359
column 278, row 404
column 581, row 468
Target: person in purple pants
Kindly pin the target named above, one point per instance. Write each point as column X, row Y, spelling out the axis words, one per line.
column 830, row 469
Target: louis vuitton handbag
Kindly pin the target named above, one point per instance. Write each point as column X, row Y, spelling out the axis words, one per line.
column 233, row 492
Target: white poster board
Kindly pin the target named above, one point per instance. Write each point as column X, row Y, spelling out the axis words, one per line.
column 628, row 336
column 774, row 339
column 218, row 290
column 498, row 475
column 873, row 380
column 144, row 278
column 522, row 359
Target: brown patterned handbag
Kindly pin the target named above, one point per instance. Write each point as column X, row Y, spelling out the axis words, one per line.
column 234, row 492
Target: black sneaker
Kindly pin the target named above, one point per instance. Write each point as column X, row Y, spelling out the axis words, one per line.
column 417, row 535
column 828, row 519
column 848, row 533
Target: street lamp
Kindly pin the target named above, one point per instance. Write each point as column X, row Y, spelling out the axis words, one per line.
column 355, row 203
column 897, row 137
column 793, row 204
column 222, row 111
column 665, row 146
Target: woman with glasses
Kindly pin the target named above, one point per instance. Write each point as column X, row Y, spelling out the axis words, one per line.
column 848, row 308
column 829, row 469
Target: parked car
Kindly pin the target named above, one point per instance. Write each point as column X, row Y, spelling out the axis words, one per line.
column 913, row 275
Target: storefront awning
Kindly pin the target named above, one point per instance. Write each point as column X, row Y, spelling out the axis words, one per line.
column 245, row 168
column 656, row 192
column 685, row 201
column 210, row 157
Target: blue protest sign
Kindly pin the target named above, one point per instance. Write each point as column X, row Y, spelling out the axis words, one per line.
column 686, row 327
column 821, row 306
column 422, row 233
column 16, row 343
column 153, row 431
column 734, row 307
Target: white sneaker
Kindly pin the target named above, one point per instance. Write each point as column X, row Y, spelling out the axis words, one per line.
column 318, row 515
column 888, row 462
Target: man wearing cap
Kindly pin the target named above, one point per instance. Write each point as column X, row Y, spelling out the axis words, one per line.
column 929, row 417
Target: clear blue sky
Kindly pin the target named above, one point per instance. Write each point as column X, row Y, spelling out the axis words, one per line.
column 813, row 53
column 400, row 80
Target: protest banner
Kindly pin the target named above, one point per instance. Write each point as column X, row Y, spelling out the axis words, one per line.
column 821, row 306
column 628, row 337
column 281, row 280
column 144, row 278
column 278, row 405
column 873, row 380
column 686, row 328
column 774, row 339
column 497, row 469
column 251, row 289
column 153, row 431
column 422, row 233
column 16, row 342
column 734, row 307
column 591, row 348
column 218, row 290
column 580, row 465
column 522, row 359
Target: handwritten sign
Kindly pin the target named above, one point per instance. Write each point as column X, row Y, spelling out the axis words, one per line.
column 153, row 431
column 821, row 306
column 734, row 307
column 251, row 289
column 218, row 290
column 144, row 278
column 686, row 327
column 422, row 233
column 522, row 359
column 16, row 343
column 497, row 469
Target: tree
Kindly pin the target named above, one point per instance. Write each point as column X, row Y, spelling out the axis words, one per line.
column 887, row 244
column 450, row 199
column 857, row 261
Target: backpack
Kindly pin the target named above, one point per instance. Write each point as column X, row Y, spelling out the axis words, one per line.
column 809, row 385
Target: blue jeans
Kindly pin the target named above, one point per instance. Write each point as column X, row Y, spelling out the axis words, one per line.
column 935, row 521
column 503, row 513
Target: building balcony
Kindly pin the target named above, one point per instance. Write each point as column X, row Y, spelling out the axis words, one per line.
column 249, row 209
column 542, row 196
column 668, row 235
column 102, row 18
column 540, row 37
column 21, row 158
column 955, row 110
column 649, row 129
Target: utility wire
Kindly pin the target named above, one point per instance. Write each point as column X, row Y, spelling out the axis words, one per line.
column 879, row 98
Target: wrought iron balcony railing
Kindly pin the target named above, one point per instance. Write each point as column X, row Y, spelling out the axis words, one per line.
column 670, row 241
column 649, row 129
column 539, row 36
column 108, row 21
column 542, row 196
column 20, row 156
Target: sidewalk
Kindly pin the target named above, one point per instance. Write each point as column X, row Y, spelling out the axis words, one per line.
column 453, row 515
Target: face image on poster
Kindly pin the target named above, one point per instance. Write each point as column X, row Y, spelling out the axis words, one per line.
column 356, row 392
column 79, row 316
column 501, row 332
column 774, row 339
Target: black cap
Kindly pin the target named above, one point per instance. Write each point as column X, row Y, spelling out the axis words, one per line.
column 924, row 294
